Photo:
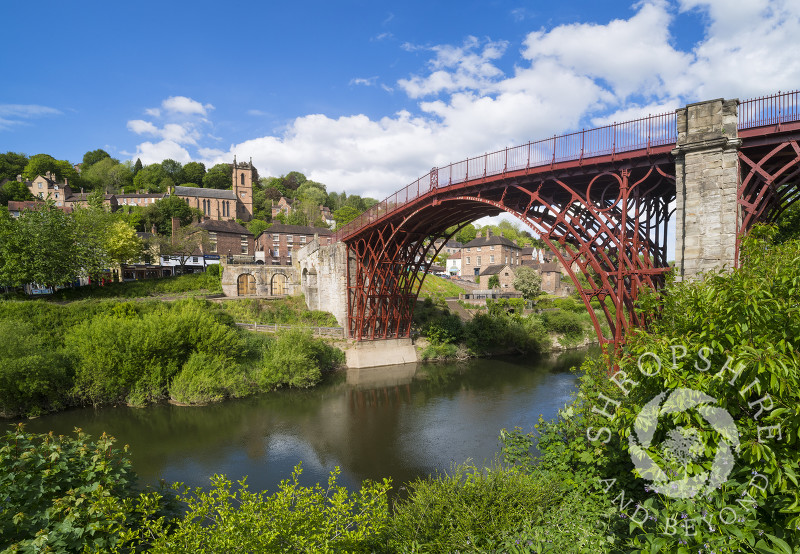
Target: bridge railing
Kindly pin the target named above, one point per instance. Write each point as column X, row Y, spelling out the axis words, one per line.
column 774, row 109
column 618, row 138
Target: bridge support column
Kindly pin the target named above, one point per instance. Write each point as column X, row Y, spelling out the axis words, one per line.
column 707, row 180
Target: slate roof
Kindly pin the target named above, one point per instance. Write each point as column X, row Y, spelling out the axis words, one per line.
column 495, row 269
column 216, row 226
column 297, row 229
column 491, row 240
column 200, row 192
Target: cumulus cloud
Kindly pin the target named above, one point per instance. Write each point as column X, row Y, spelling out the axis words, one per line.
column 560, row 79
column 12, row 115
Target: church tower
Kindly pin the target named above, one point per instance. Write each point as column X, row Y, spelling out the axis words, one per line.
column 243, row 175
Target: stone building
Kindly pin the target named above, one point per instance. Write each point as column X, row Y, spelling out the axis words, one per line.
column 139, row 199
column 489, row 250
column 277, row 245
column 504, row 272
column 227, row 238
column 219, row 205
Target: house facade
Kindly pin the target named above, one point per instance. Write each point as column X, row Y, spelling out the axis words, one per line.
column 489, row 250
column 276, row 245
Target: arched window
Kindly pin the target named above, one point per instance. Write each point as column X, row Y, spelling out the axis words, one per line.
column 242, row 178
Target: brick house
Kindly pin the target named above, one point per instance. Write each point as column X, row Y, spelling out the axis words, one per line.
column 276, row 245
column 282, row 206
column 505, row 274
column 485, row 251
column 227, row 238
column 15, row 208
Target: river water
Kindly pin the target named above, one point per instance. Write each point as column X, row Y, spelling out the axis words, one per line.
column 401, row 422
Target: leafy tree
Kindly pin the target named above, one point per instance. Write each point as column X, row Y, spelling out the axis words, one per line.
column 41, row 246
column 218, row 177
column 494, row 282
column 137, row 167
column 161, row 212
column 194, row 172
column 528, row 282
column 173, row 169
column 14, row 190
column 788, row 225
column 92, row 157
column 185, row 242
column 152, row 178
column 40, row 164
column 108, row 174
column 293, row 180
column 12, row 164
column 345, row 215
column 257, row 226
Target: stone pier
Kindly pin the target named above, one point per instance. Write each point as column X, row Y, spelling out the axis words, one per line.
column 707, row 179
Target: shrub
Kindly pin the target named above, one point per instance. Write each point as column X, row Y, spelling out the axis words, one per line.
column 293, row 519
column 206, row 378
column 61, row 493
column 566, row 323
column 296, row 359
column 444, row 329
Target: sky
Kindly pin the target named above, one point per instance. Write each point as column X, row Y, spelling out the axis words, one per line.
column 367, row 96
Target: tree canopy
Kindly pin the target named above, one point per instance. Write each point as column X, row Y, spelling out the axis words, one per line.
column 218, row 177
column 528, row 282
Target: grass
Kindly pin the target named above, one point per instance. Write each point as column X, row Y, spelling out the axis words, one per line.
column 291, row 310
column 435, row 287
column 196, row 282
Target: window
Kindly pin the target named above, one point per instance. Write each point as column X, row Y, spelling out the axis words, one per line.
column 491, row 259
column 41, row 194
column 212, row 237
column 194, row 259
column 478, row 249
column 491, row 247
column 242, row 176
column 40, row 185
column 468, row 262
column 289, row 238
column 479, row 260
column 56, row 195
column 276, row 238
column 303, row 239
column 244, row 244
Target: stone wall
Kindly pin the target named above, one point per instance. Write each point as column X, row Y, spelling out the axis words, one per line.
column 265, row 277
column 323, row 278
column 707, row 179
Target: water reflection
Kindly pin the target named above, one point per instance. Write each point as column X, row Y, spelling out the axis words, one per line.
column 400, row 421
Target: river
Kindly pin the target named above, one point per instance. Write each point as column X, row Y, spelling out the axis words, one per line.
column 401, row 422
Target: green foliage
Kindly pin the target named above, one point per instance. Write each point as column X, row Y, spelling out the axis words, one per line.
column 297, row 360
column 62, row 494
column 208, row 282
column 161, row 212
column 92, row 157
column 193, row 173
column 494, row 282
column 528, row 282
column 218, row 177
column 565, row 323
column 12, row 164
column 257, row 226
column 486, row 333
column 293, row 519
column 505, row 306
column 291, row 310
column 207, row 378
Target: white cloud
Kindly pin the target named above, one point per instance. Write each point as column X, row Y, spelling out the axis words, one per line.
column 185, row 105
column 153, row 112
column 178, row 133
column 150, row 152
column 12, row 115
column 564, row 78
column 368, row 81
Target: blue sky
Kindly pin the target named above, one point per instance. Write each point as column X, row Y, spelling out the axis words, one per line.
column 367, row 96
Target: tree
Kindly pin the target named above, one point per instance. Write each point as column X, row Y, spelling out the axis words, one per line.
column 257, row 226
column 161, row 212
column 345, row 215
column 92, row 157
column 122, row 243
column 137, row 167
column 108, row 174
column 528, row 282
column 494, row 282
column 14, row 190
column 293, row 180
column 173, row 169
column 39, row 164
column 218, row 177
column 193, row 172
column 152, row 178
column 12, row 164
column 41, row 246
column 185, row 242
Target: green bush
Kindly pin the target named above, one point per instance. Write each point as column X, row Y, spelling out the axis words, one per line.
column 207, row 378
column 285, row 311
column 444, row 329
column 293, row 519
column 62, row 494
column 296, row 359
column 472, row 509
column 566, row 323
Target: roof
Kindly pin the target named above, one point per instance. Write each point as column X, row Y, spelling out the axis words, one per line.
column 146, row 195
column 200, row 192
column 455, row 256
column 495, row 269
column 16, row 206
column 84, row 197
column 546, row 267
column 297, row 229
column 218, row 226
column 527, row 251
column 491, row 240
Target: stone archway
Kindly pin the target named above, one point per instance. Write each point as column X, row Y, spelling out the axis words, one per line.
column 246, row 285
column 278, row 285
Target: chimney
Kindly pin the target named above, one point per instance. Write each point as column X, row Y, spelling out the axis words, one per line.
column 501, row 233
column 66, row 182
column 176, row 224
column 153, row 229
column 488, row 232
column 479, row 234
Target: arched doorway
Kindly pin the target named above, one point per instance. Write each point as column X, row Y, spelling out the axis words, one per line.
column 246, row 285
column 278, row 285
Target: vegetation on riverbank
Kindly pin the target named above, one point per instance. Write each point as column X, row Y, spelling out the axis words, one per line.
column 734, row 337
column 105, row 352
